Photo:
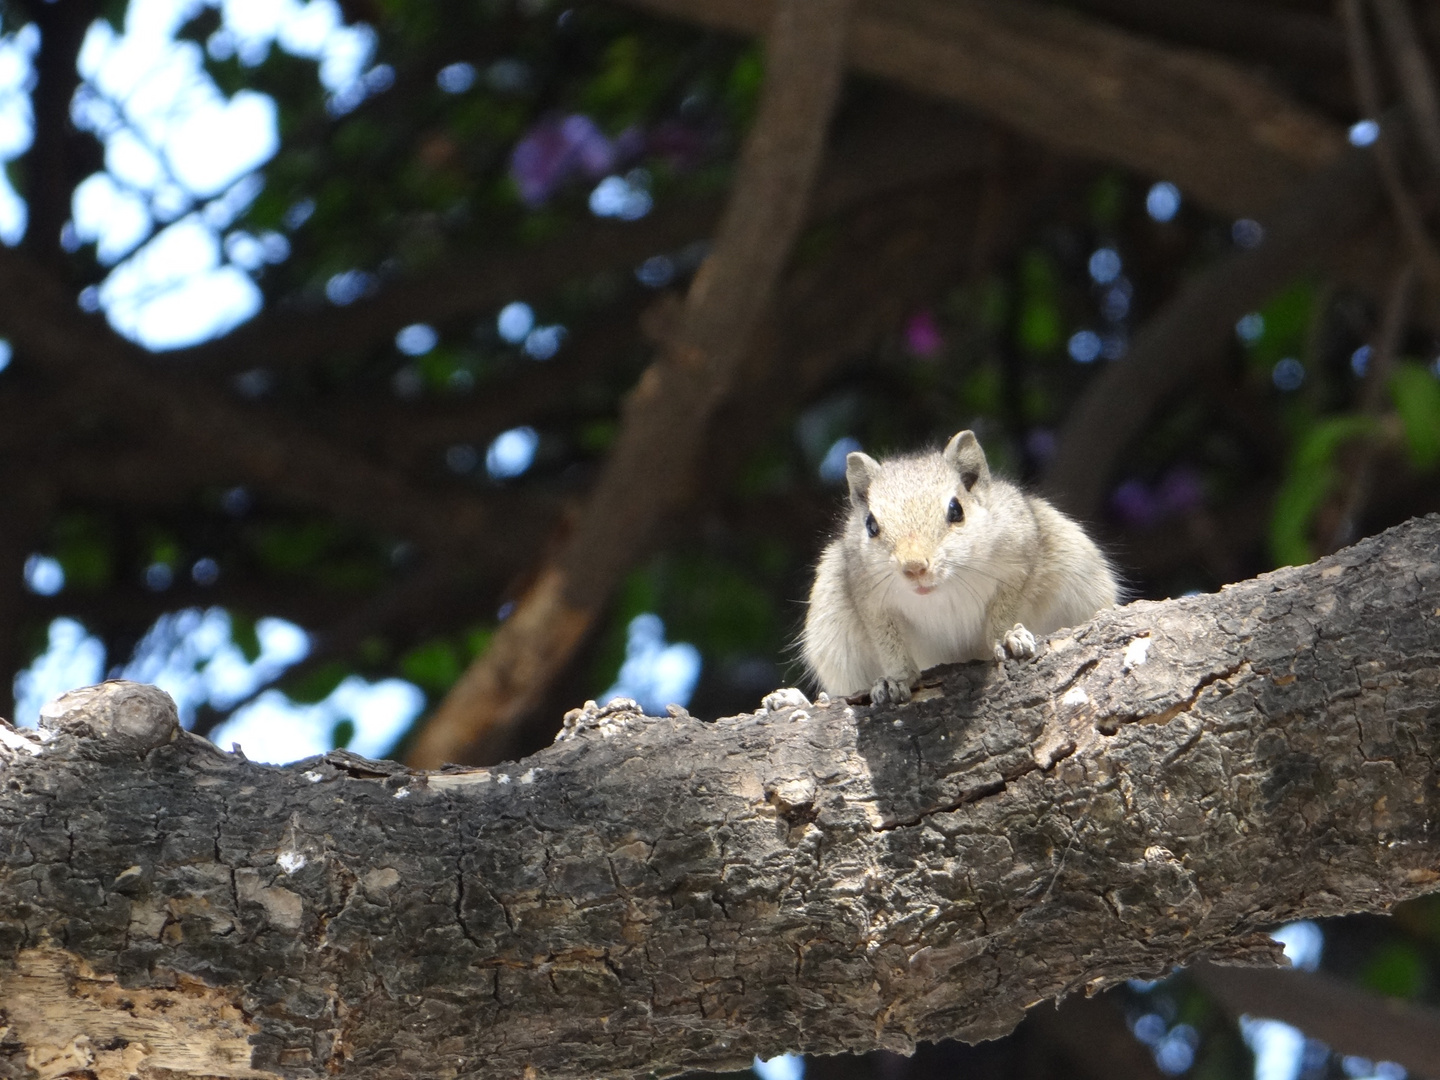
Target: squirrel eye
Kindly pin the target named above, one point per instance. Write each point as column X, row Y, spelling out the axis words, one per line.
column 872, row 526
column 954, row 512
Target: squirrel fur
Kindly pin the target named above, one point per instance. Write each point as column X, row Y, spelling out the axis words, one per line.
column 940, row 562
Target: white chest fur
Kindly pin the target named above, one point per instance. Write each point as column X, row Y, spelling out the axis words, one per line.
column 946, row 625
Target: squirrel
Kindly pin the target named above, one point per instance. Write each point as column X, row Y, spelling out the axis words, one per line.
column 940, row 562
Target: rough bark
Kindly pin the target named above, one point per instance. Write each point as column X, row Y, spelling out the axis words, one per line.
column 656, row 893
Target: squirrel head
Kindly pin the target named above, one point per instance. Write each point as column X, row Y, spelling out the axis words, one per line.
column 922, row 516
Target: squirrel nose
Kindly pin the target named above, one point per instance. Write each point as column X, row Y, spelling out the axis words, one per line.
column 914, row 568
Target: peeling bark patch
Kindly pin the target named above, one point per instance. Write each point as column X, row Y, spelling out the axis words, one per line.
column 71, row 1020
column 282, row 906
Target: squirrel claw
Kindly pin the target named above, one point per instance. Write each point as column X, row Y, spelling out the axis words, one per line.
column 1017, row 642
column 889, row 691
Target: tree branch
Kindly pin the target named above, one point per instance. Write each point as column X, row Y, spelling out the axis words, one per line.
column 1407, row 213
column 1297, row 40
column 1348, row 1019
column 1223, row 135
column 667, row 415
column 59, row 155
column 105, row 376
column 896, row 143
column 1329, row 210
column 653, row 894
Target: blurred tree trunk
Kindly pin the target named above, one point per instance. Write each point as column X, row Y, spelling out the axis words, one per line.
column 652, row 894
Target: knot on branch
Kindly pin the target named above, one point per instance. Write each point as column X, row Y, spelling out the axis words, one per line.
column 127, row 717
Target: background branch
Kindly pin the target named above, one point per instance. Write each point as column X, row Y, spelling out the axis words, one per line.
column 666, row 415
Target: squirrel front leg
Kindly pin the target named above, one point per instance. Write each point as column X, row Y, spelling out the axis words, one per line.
column 898, row 670
column 1007, row 635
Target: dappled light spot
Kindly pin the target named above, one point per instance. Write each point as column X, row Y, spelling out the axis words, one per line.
column 1360, row 361
column 1247, row 233
column 511, row 453
column 456, row 78
column 348, row 286
column 115, row 219
column 236, row 501
column 17, row 52
column 832, row 465
column 417, row 339
column 1363, row 132
column 1115, row 305
column 205, row 572
column 558, row 149
column 6, row 354
column 1358, row 1068
column 255, row 383
column 1288, row 374
column 655, row 673
column 509, row 76
column 515, row 322
column 1104, row 265
column 298, row 213
column 44, row 576
column 784, row 1067
column 625, row 197
column 1084, row 346
column 1250, row 328
column 544, row 342
column 244, row 250
column 158, row 577
column 368, row 717
column 656, row 272
column 1304, row 942
column 72, row 658
column 1162, row 201
column 1040, row 444
column 1278, row 1048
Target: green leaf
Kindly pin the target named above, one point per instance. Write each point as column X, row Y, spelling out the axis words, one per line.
column 342, row 733
column 1287, row 326
column 434, row 666
column 293, row 548
column 243, row 634
column 1308, row 480
column 1040, row 329
column 83, row 549
column 1396, row 970
column 317, row 685
column 1416, row 393
column 477, row 640
column 1107, row 200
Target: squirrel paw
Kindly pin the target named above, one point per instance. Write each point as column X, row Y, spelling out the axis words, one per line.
column 788, row 698
column 1017, row 642
column 888, row 691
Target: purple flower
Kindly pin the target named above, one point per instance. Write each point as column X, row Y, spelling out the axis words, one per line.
column 922, row 335
column 1181, row 491
column 1040, row 444
column 682, row 146
column 1134, row 504
column 558, row 148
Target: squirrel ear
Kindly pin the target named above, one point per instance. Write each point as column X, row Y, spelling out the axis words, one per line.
column 860, row 469
column 966, row 458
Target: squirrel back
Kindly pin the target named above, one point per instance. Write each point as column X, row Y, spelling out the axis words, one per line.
column 937, row 562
